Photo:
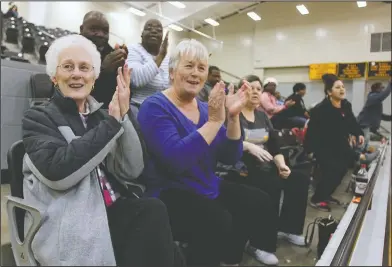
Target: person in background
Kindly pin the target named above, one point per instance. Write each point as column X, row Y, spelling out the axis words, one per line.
column 185, row 138
column 214, row 76
column 268, row 100
column 279, row 98
column 82, row 168
column 95, row 27
column 149, row 63
column 267, row 170
column 371, row 114
column 331, row 123
column 297, row 113
column 12, row 11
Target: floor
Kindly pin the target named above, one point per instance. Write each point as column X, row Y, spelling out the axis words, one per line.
column 288, row 254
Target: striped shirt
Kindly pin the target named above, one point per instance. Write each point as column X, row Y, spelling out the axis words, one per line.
column 147, row 78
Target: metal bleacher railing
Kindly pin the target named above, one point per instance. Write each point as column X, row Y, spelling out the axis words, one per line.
column 346, row 247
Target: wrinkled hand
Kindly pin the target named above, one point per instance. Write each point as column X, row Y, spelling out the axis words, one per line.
column 236, row 101
column 284, row 171
column 123, row 88
column 164, row 46
column 260, row 153
column 216, row 103
column 114, row 107
column 114, row 60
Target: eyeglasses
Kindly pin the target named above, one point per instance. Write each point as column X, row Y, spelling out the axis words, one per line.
column 69, row 67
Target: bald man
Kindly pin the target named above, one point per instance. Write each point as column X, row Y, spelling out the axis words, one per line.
column 149, row 62
column 95, row 27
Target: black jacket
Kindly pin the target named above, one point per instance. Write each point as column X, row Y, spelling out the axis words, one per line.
column 55, row 157
column 298, row 109
column 329, row 129
column 105, row 85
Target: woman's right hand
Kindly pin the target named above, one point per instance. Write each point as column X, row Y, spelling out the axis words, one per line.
column 216, row 103
column 114, row 107
column 260, row 153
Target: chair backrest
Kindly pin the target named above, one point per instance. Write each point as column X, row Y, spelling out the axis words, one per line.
column 15, row 164
column 41, row 88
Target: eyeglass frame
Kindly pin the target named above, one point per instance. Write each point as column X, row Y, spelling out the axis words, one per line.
column 70, row 71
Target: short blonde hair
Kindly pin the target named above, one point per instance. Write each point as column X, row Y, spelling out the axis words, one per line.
column 188, row 46
column 52, row 56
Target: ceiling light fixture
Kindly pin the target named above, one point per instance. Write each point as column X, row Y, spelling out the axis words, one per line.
column 175, row 27
column 177, row 4
column 212, row 22
column 302, row 9
column 253, row 16
column 136, row 11
column 361, row 3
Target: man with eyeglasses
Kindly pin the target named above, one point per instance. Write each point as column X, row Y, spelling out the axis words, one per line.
column 95, row 27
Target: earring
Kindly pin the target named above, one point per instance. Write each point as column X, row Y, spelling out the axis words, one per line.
column 92, row 88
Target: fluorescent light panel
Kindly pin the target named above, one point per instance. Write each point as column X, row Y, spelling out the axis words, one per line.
column 302, row 9
column 253, row 16
column 175, row 27
column 136, row 12
column 212, row 22
column 177, row 4
column 361, row 3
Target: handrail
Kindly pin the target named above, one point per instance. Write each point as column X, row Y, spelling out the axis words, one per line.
column 347, row 245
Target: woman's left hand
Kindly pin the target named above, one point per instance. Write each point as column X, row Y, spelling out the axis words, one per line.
column 236, row 101
column 284, row 171
column 123, row 88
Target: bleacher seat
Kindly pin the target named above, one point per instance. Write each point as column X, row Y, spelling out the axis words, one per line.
column 17, row 208
column 13, row 56
column 41, row 89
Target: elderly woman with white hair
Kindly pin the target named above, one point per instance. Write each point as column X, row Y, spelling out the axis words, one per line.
column 81, row 170
column 185, row 138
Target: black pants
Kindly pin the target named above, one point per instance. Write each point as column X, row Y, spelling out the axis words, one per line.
column 332, row 173
column 141, row 234
column 217, row 230
column 295, row 189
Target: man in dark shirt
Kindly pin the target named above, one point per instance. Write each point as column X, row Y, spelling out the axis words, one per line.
column 95, row 27
column 214, row 76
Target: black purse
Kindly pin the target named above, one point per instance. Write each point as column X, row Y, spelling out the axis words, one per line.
column 326, row 227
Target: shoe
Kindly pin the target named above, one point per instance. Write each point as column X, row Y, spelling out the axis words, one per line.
column 298, row 240
column 332, row 200
column 323, row 206
column 264, row 257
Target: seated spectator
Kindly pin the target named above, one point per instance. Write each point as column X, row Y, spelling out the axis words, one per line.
column 279, row 98
column 81, row 169
column 268, row 171
column 95, row 27
column 297, row 113
column 331, row 123
column 372, row 113
column 268, row 100
column 149, row 62
column 12, row 11
column 214, row 76
column 185, row 138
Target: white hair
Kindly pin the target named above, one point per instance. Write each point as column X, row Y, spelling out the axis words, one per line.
column 52, row 56
column 191, row 47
